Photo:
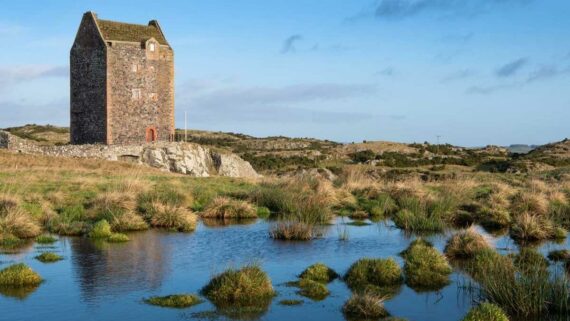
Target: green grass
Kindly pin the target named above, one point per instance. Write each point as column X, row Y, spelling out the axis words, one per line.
column 174, row 301
column 118, row 238
column 320, row 273
column 101, row 230
column 486, row 312
column 45, row 239
column 380, row 273
column 19, row 275
column 313, row 290
column 426, row 269
column 246, row 287
column 49, row 257
column 465, row 244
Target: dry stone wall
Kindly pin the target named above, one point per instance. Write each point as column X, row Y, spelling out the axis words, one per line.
column 184, row 158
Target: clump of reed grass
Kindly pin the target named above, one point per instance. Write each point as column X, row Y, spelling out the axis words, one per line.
column 9, row 241
column 465, row 244
column 19, row 275
column 527, row 227
column 319, row 272
column 559, row 255
column 523, row 290
column 49, row 257
column 426, row 269
column 248, row 287
column 494, row 218
column 179, row 301
column 417, row 221
column 380, row 273
column 224, row 207
column 118, row 238
column 45, row 239
column 70, row 220
column 528, row 202
column 367, row 306
column 101, row 230
column 529, row 259
column 486, row 312
column 16, row 221
column 292, row 231
column 263, row 212
column 172, row 217
column 313, row 290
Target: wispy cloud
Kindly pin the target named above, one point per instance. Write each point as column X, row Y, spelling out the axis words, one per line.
column 458, row 75
column 511, row 68
column 289, row 43
column 387, row 72
column 544, row 72
column 400, row 9
column 14, row 75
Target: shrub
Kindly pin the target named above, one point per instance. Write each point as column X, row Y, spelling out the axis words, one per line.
column 45, row 239
column 559, row 255
column 244, row 288
column 320, row 273
column 118, row 238
column 100, row 230
column 313, row 290
column 376, row 272
column 292, row 231
column 49, row 257
column 174, row 301
column 19, row 275
column 172, row 217
column 223, row 207
column 366, row 306
column 486, row 312
column 425, row 267
column 528, row 227
column 465, row 244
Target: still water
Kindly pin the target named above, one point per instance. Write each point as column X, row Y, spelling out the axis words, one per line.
column 100, row 281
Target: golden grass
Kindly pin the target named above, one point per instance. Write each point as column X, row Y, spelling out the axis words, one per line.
column 173, row 217
column 225, row 207
column 466, row 244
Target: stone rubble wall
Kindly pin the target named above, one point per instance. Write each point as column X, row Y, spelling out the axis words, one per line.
column 185, row 158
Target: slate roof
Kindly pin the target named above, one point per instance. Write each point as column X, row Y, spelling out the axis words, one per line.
column 120, row 31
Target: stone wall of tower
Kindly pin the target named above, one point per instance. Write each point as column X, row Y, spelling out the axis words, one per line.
column 140, row 92
column 88, row 73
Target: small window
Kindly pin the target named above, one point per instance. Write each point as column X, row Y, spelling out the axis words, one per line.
column 151, row 46
column 136, row 94
column 135, row 68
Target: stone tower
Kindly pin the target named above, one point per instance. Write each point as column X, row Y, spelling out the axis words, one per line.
column 122, row 83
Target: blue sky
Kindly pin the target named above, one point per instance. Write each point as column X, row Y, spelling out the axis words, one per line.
column 475, row 72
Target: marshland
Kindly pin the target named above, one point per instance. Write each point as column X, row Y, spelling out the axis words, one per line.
column 356, row 239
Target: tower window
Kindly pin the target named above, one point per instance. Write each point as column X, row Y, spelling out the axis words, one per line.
column 151, row 46
column 135, row 68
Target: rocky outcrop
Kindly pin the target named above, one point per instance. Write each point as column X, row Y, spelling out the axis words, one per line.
column 185, row 158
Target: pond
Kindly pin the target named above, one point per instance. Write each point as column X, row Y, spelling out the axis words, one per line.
column 101, row 281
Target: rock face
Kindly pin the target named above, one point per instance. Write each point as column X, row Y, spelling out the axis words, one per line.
column 184, row 158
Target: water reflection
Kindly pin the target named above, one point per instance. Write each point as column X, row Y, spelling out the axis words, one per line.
column 110, row 269
column 18, row 293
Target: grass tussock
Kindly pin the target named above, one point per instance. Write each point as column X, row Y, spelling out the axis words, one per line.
column 101, row 230
column 46, row 239
column 118, row 238
column 486, row 312
column 426, row 269
column 16, row 221
column 172, row 217
column 243, row 288
column 19, row 275
column 379, row 274
column 528, row 227
column 179, row 301
column 366, row 306
column 319, row 273
column 49, row 257
column 465, row 244
column 313, row 290
column 225, row 208
column 292, row 231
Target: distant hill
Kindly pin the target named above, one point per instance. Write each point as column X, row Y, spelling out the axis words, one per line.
column 554, row 154
column 521, row 148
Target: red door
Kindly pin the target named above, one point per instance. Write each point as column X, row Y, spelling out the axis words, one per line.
column 151, row 135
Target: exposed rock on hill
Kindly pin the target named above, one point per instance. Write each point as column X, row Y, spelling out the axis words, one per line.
column 185, row 158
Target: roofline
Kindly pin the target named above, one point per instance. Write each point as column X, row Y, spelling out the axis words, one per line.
column 93, row 16
column 157, row 25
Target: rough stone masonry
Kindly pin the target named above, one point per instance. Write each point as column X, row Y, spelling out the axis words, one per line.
column 122, row 83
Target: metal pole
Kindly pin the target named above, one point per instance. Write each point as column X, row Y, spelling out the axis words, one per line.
column 186, row 126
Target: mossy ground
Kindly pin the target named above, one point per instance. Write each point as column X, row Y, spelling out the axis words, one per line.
column 174, row 301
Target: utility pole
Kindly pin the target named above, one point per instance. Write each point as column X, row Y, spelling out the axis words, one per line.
column 185, row 126
column 438, row 137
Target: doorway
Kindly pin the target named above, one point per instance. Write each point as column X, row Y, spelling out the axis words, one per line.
column 151, row 135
